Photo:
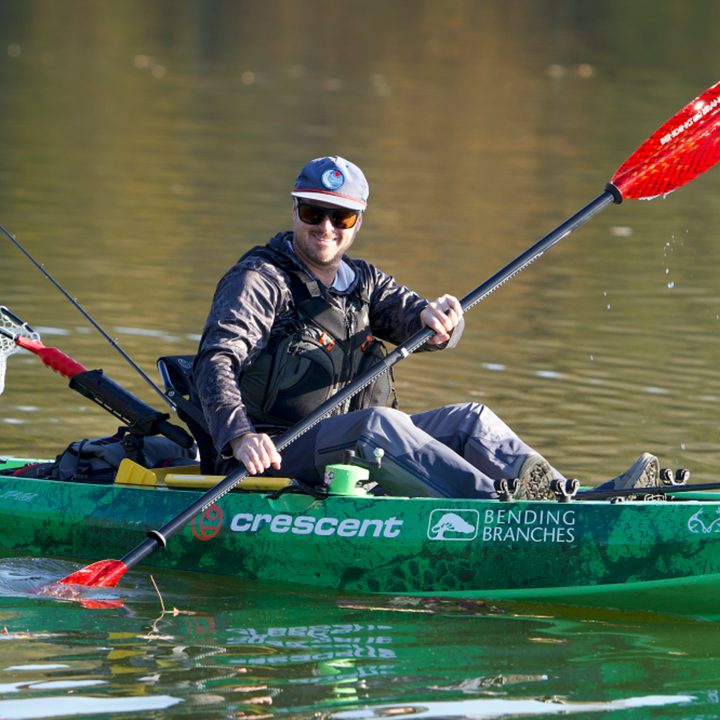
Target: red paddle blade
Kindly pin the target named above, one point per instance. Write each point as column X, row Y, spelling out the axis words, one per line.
column 683, row 148
column 105, row 573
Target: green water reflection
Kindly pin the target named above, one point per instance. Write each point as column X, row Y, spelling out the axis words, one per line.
column 232, row 649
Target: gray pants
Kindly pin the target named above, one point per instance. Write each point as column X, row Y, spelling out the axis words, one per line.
column 456, row 451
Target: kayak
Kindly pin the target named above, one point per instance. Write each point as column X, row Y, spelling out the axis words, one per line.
column 635, row 555
column 661, row 557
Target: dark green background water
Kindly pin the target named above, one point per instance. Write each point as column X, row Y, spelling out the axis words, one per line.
column 144, row 146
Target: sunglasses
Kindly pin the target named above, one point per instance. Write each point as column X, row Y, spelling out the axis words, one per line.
column 314, row 215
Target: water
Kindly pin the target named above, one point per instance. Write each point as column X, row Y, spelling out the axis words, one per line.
column 144, row 146
column 216, row 647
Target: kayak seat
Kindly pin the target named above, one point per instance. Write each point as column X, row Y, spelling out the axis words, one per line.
column 176, row 374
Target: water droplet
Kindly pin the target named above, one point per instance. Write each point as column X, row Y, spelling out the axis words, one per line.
column 671, row 285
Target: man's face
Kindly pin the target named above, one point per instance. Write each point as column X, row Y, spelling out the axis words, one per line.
column 321, row 246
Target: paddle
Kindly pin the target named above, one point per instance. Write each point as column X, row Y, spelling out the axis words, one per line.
column 683, row 148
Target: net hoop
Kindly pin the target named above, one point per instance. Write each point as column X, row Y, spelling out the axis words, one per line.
column 8, row 347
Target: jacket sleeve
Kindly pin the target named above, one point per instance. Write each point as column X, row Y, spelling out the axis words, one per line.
column 395, row 312
column 238, row 327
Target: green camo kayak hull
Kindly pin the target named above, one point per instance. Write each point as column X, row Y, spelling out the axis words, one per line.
column 657, row 556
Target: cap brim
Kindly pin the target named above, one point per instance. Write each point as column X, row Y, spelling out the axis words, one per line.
column 330, row 198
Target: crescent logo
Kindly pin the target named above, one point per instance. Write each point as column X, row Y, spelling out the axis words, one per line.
column 208, row 525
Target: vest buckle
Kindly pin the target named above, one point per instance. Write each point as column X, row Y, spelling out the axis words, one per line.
column 327, row 341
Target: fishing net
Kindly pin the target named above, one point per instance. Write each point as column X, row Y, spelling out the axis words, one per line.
column 11, row 324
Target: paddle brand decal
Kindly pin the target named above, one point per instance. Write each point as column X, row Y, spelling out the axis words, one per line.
column 702, row 111
column 453, row 524
column 306, row 525
column 537, row 526
column 696, row 525
column 207, row 525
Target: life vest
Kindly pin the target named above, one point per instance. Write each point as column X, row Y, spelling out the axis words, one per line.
column 310, row 360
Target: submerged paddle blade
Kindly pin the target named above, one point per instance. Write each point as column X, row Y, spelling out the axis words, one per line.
column 683, row 148
column 105, row 573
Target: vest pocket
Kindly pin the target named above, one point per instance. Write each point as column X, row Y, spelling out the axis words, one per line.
column 380, row 390
column 304, row 377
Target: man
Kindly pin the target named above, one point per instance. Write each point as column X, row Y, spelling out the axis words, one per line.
column 296, row 320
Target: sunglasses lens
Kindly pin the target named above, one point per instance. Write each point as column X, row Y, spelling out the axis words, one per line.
column 311, row 214
column 343, row 219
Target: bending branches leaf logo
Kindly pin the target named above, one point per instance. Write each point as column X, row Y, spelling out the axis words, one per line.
column 453, row 525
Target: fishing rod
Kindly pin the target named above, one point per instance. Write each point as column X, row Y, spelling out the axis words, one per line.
column 114, row 343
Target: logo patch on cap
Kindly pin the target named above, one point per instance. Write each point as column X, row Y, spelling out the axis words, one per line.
column 332, row 179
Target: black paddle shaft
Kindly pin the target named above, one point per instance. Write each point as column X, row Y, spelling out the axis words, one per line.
column 158, row 538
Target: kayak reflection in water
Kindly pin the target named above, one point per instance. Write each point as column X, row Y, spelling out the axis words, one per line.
column 296, row 320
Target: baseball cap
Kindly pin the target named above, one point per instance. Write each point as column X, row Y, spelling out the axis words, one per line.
column 333, row 180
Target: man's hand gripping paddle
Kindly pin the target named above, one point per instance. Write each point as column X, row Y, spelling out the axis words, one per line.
column 683, row 148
